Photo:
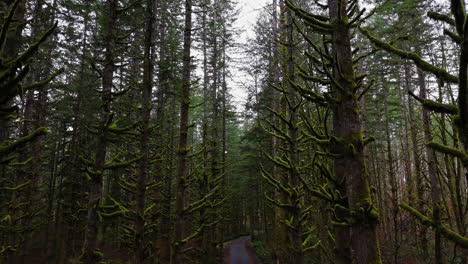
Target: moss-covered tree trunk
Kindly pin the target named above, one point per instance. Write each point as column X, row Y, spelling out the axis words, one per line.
column 143, row 165
column 176, row 251
column 205, row 142
column 294, row 233
column 280, row 233
column 350, row 166
column 166, row 170
column 90, row 252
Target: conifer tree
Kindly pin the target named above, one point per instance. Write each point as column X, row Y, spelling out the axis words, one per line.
column 356, row 214
column 15, row 67
column 455, row 20
column 180, row 227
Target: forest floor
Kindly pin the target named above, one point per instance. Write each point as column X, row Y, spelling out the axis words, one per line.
column 240, row 251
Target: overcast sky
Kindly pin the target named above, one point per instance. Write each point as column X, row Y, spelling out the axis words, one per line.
column 249, row 10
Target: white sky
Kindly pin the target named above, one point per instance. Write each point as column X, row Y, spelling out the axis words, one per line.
column 249, row 10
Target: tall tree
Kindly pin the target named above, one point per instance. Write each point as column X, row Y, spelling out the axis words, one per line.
column 360, row 217
column 91, row 254
column 178, row 242
column 459, row 111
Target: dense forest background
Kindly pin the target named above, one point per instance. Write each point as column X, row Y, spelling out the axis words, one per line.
column 121, row 141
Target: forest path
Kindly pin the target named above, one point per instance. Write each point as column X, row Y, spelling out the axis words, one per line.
column 240, row 252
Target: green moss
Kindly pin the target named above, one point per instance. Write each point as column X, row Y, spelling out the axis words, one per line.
column 439, row 72
column 368, row 140
column 448, row 233
column 341, row 212
column 97, row 253
column 8, row 147
column 19, row 187
column 340, row 224
column 439, row 107
column 455, row 37
column 440, row 17
column 449, row 150
column 374, row 215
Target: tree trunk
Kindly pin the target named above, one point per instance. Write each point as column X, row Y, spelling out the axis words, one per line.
column 351, row 167
column 392, row 177
column 431, row 170
column 205, row 142
column 178, row 257
column 90, row 252
column 143, row 166
column 295, row 234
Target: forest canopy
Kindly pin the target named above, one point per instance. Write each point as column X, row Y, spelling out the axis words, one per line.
column 170, row 131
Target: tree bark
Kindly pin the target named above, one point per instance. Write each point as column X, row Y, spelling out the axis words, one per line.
column 351, row 166
column 431, row 170
column 91, row 253
column 178, row 257
column 143, row 166
column 392, row 177
column 418, row 197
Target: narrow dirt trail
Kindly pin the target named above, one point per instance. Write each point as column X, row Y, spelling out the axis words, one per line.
column 240, row 252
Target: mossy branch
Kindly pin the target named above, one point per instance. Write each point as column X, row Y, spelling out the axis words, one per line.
column 277, row 203
column 86, row 161
column 311, row 43
column 8, row 147
column 282, row 135
column 320, row 142
column 196, row 205
column 311, row 20
column 356, row 21
column 440, row 17
column 6, row 25
column 278, row 162
column 439, row 72
column 23, row 163
column 131, row 188
column 274, row 182
column 21, row 59
column 366, row 89
column 40, row 84
column 435, row 106
column 308, row 77
column 116, row 165
column 455, row 37
column 316, row 193
column 12, row 83
column 363, row 56
column 368, row 140
column 312, row 247
column 451, row 235
column 451, row 151
column 19, row 187
column 193, row 235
